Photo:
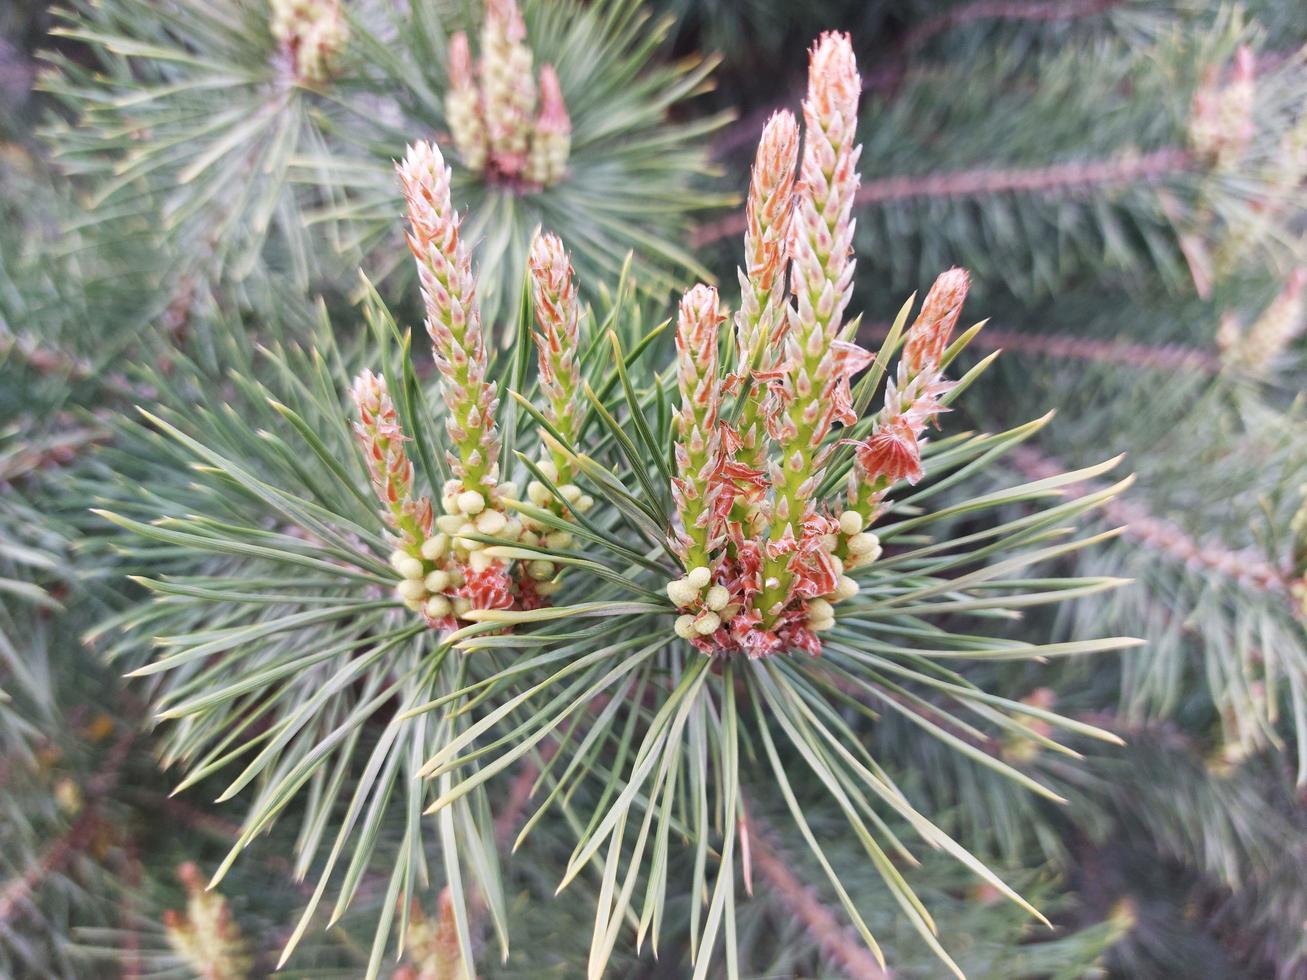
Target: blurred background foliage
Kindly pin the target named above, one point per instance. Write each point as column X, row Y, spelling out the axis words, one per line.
column 1124, row 178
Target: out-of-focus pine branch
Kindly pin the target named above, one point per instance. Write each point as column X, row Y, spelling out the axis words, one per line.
column 1244, row 567
column 822, row 925
column 1052, row 180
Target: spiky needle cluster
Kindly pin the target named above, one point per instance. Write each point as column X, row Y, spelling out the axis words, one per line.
column 445, row 570
column 312, row 33
column 764, row 557
column 502, row 124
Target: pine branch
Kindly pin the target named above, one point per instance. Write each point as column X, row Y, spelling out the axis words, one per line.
column 132, row 968
column 58, row 450
column 325, row 656
column 1150, row 357
column 1072, row 176
column 801, row 901
column 887, row 76
column 509, row 819
column 196, row 819
column 1245, row 567
column 44, row 359
column 47, row 360
column 16, row 72
column 1058, row 177
column 1126, row 169
column 980, row 10
column 229, row 831
column 1160, row 731
column 72, row 841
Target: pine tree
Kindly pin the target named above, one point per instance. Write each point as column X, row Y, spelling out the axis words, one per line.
column 540, row 558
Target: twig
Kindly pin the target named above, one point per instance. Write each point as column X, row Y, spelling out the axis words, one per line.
column 801, row 902
column 519, row 792
column 132, row 969
column 1059, row 176
column 1164, row 357
column 17, row 893
column 1034, row 10
column 196, row 819
column 509, row 819
column 1152, row 357
column 16, row 72
column 1162, row 731
column 45, row 359
column 228, row 830
column 1075, row 175
column 1245, row 566
column 58, row 451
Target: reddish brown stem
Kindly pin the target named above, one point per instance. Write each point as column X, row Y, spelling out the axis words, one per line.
column 197, row 819
column 1075, row 175
column 229, row 830
column 1055, row 177
column 801, row 902
column 509, row 819
column 1164, row 357
column 49, row 360
column 59, row 450
column 1245, row 567
column 131, row 959
column 17, row 893
column 1032, row 10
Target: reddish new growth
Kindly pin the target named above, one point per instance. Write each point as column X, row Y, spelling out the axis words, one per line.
column 445, row 567
column 501, row 123
column 892, row 453
column 205, row 936
column 388, row 464
column 697, row 487
column 432, row 948
column 1221, row 124
column 558, row 345
column 558, row 316
column 766, row 560
column 312, row 35
column 1260, row 348
column 761, row 322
